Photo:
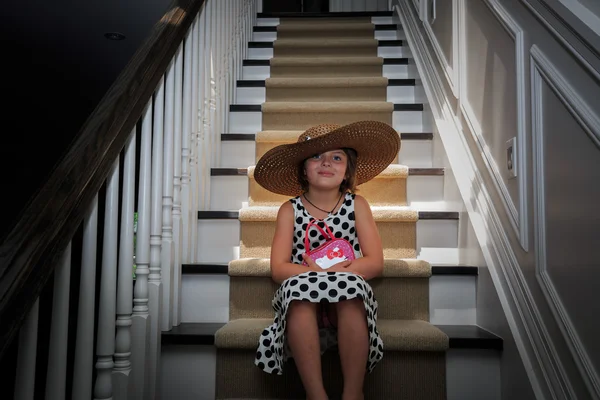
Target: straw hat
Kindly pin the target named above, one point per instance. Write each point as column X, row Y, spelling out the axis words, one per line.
column 377, row 144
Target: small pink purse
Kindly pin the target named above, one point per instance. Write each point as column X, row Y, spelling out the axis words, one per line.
column 333, row 251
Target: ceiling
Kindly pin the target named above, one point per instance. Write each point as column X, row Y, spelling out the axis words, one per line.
column 56, row 66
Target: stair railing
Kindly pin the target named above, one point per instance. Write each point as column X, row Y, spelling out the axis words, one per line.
column 91, row 274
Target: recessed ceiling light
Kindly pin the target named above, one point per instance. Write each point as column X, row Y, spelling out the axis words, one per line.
column 114, row 36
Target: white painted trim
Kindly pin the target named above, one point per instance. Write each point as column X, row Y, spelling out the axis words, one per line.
column 543, row 71
column 519, row 217
column 531, row 337
column 450, row 71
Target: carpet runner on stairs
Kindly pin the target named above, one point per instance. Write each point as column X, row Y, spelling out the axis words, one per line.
column 328, row 71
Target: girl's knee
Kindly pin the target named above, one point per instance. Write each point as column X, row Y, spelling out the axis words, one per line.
column 351, row 303
column 301, row 308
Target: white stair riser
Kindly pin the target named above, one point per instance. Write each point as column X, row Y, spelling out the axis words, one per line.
column 275, row 21
column 379, row 35
column 416, row 153
column 264, row 72
column 240, row 154
column 382, row 51
column 231, row 192
column 472, row 374
column 440, row 255
column 452, row 299
column 219, row 240
column 257, row 95
column 402, row 121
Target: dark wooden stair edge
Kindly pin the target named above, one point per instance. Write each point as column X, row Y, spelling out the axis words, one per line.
column 461, row 336
column 267, row 62
column 222, row 269
column 244, row 171
column 261, row 83
column 423, row 215
column 273, row 28
column 258, row 107
column 252, row 136
column 255, row 44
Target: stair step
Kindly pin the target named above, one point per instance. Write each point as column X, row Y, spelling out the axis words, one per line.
column 452, row 288
column 222, row 269
column 267, row 62
column 252, row 136
column 339, row 14
column 258, row 107
column 269, row 45
column 250, row 118
column 394, row 65
column 422, row 215
column 264, row 50
column 244, row 171
column 377, row 27
column 326, row 89
column 461, row 336
column 261, row 83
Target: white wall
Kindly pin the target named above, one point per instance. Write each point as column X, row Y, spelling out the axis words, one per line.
column 523, row 72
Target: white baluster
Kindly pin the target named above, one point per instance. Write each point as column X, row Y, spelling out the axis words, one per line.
column 196, row 179
column 215, row 34
column 140, row 329
column 84, row 342
column 187, row 245
column 125, row 275
column 177, row 227
column 167, row 202
column 26, row 356
column 155, row 279
column 56, row 376
column 207, row 50
column 105, row 346
column 260, row 6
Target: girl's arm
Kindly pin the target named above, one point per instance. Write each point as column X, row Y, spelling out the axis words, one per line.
column 370, row 265
column 281, row 248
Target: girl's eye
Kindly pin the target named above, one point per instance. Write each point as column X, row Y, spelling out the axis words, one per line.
column 316, row 156
column 337, row 158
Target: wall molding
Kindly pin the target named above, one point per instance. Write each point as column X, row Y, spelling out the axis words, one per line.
column 519, row 216
column 450, row 71
column 543, row 71
column 540, row 358
column 572, row 40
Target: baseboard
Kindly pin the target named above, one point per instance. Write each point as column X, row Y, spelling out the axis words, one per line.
column 541, row 361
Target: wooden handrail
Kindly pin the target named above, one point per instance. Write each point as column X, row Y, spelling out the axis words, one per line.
column 32, row 249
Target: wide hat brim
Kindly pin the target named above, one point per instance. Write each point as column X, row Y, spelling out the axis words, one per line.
column 377, row 145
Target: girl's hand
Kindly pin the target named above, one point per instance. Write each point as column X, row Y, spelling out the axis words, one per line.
column 340, row 267
column 311, row 264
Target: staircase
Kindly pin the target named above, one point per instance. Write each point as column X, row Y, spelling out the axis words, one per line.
column 301, row 71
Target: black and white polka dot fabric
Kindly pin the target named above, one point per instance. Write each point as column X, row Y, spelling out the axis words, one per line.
column 340, row 223
column 317, row 287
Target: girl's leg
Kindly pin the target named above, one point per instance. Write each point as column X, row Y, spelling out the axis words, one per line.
column 353, row 345
column 302, row 335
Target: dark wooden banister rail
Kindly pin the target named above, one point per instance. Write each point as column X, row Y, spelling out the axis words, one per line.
column 33, row 248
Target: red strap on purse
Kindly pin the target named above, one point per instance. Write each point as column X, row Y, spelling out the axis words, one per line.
column 327, row 234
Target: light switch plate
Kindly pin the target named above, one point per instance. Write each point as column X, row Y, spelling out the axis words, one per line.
column 511, row 157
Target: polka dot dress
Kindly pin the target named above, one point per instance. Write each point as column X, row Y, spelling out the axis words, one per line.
column 318, row 287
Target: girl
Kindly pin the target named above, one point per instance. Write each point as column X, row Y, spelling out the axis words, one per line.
column 318, row 308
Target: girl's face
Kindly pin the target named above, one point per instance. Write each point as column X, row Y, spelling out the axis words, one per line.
column 326, row 170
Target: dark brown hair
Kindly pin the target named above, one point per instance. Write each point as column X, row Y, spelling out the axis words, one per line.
column 348, row 184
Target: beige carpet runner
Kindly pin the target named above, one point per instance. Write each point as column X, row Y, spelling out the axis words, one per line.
column 327, row 71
